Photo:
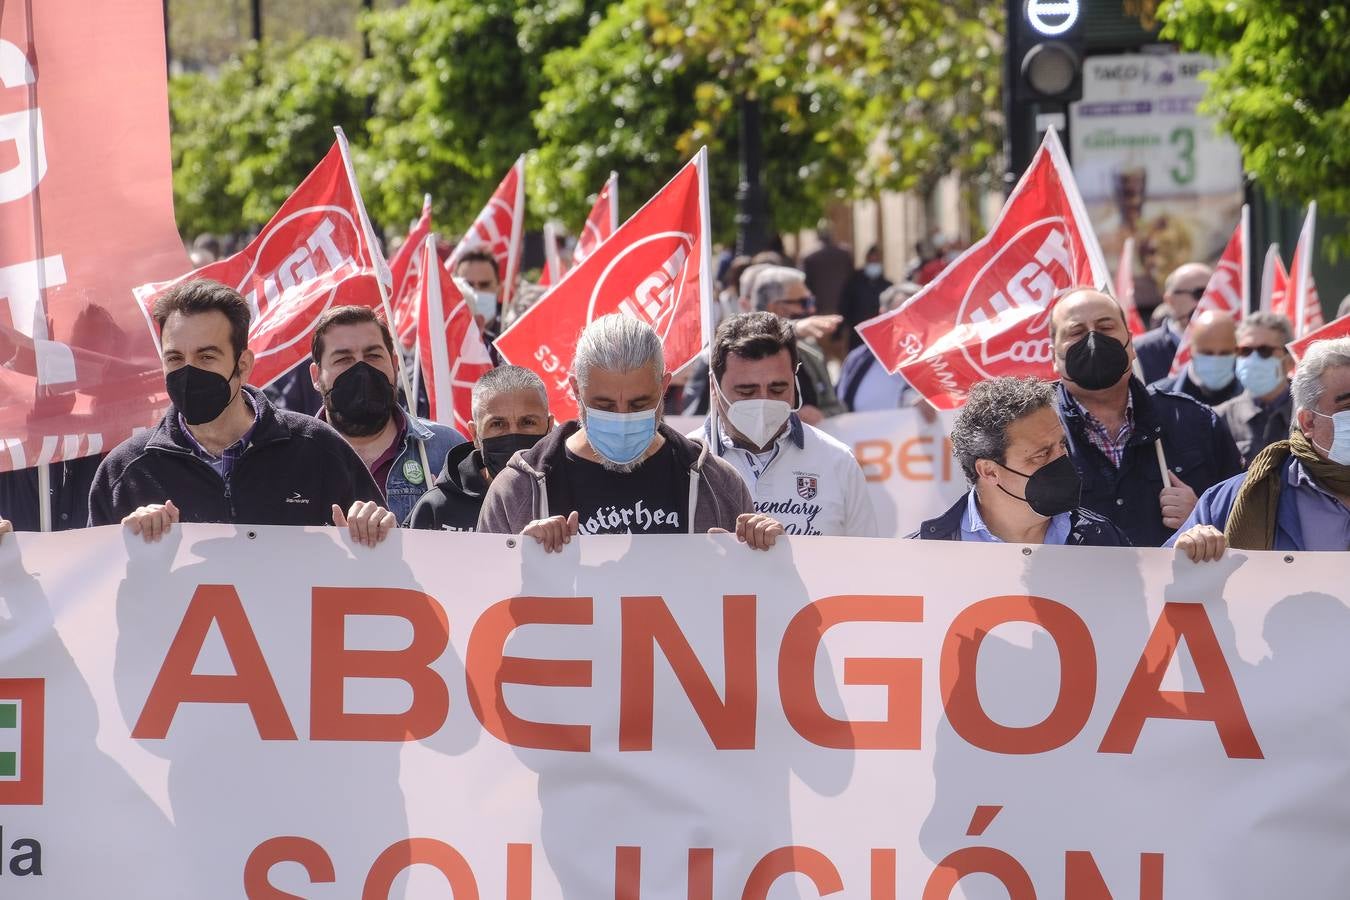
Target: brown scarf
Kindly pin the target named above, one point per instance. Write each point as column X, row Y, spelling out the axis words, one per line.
column 1251, row 523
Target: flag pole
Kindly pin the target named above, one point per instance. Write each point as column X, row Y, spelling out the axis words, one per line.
column 44, row 487
column 381, row 269
column 1157, row 443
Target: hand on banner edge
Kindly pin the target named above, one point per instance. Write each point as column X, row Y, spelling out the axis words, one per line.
column 152, row 521
column 367, row 522
column 756, row 530
column 553, row 532
column 1202, row 543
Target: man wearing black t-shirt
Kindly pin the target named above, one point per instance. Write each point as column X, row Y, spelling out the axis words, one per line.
column 620, row 470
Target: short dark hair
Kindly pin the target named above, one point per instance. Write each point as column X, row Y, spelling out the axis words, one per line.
column 479, row 254
column 202, row 295
column 981, row 427
column 348, row 315
column 752, row 335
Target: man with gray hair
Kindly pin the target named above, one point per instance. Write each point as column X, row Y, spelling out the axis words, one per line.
column 1263, row 412
column 1296, row 493
column 1024, row 488
column 510, row 415
column 620, row 469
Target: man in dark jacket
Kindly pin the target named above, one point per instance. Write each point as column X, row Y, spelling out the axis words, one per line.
column 222, row 452
column 1181, row 292
column 510, row 415
column 1023, row 487
column 1114, row 426
column 620, row 470
column 1211, row 374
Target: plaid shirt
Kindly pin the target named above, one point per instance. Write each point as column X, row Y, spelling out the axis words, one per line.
column 1112, row 447
column 223, row 464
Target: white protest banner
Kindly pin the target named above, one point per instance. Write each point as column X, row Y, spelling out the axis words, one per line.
column 908, row 463
column 267, row 713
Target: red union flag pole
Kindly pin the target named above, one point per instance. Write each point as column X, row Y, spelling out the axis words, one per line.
column 1125, row 288
column 404, row 271
column 987, row 314
column 1229, row 289
column 314, row 254
column 655, row 267
column 450, row 349
column 500, row 227
column 1305, row 305
column 601, row 222
column 1274, row 283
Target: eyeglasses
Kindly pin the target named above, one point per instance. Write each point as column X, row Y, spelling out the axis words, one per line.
column 1265, row 351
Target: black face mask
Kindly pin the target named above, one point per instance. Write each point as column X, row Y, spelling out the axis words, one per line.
column 1096, row 362
column 360, row 401
column 199, row 395
column 1052, row 489
column 497, row 451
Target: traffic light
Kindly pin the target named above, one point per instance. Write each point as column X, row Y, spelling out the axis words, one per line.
column 1043, row 72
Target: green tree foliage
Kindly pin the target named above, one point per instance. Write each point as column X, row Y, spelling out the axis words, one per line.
column 245, row 137
column 1282, row 90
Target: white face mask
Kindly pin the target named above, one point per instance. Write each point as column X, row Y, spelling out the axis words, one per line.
column 485, row 304
column 759, row 421
column 1339, row 451
column 872, row 270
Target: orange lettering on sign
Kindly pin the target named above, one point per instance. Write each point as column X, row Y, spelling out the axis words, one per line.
column 647, row 624
column 486, row 670
column 420, row 851
column 317, row 863
column 785, row 860
column 252, row 683
column 1217, row 702
column 331, row 664
column 902, row 677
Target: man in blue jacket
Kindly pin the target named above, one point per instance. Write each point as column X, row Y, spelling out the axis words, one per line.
column 1024, row 488
column 353, row 369
column 1296, row 493
column 223, row 452
column 1114, row 425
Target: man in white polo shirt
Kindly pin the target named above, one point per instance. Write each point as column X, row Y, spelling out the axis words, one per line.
column 796, row 473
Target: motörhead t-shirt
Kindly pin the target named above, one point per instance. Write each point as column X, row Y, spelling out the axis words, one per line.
column 652, row 499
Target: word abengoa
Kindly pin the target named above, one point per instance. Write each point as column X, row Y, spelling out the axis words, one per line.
column 648, row 628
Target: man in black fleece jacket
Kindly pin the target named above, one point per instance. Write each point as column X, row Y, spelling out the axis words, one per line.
column 222, row 452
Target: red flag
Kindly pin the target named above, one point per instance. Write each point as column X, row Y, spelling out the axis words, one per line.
column 86, row 214
column 1275, row 284
column 403, row 268
column 500, row 227
column 553, row 269
column 1228, row 290
column 987, row 314
column 1305, row 305
column 1336, row 328
column 1125, row 288
column 601, row 222
column 655, row 267
column 316, row 252
column 449, row 345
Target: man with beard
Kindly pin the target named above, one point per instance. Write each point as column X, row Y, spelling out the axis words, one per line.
column 353, row 369
column 620, row 470
column 510, row 415
column 223, row 452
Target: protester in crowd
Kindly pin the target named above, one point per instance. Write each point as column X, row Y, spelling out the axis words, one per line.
column 1263, row 412
column 510, row 415
column 69, row 481
column 354, row 368
column 782, row 291
column 1182, row 290
column 1296, row 493
column 222, row 452
column 620, row 469
column 729, row 289
column 861, row 299
column 865, row 385
column 1211, row 375
column 1024, row 488
column 477, row 267
column 801, row 476
column 827, row 269
column 1113, row 424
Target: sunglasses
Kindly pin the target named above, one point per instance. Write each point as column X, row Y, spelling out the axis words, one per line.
column 1265, row 351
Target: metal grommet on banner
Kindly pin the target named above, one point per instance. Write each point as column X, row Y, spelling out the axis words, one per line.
column 1288, row 557
column 1026, row 551
column 510, row 543
column 252, row 535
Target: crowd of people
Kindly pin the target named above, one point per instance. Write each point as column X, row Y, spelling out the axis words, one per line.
column 1241, row 449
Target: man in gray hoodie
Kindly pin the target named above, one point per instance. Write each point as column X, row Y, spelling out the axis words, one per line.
column 619, row 469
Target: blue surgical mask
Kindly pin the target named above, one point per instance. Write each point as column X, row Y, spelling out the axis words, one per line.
column 1339, row 451
column 1214, row 372
column 620, row 437
column 872, row 270
column 1259, row 376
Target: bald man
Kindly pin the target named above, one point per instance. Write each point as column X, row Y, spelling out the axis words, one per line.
column 1112, row 422
column 1181, row 292
column 1211, row 375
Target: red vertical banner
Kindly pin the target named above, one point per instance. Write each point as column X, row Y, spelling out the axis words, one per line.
column 86, row 214
column 500, row 227
column 406, row 274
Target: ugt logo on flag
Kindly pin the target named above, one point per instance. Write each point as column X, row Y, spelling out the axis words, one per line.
column 21, row 723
